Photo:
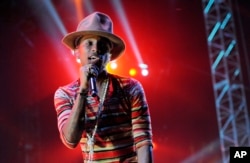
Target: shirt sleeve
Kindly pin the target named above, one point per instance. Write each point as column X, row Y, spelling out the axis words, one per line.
column 63, row 104
column 141, row 121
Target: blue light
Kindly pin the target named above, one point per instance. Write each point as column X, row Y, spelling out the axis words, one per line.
column 210, row 3
column 237, row 72
column 222, row 93
column 215, row 29
column 224, row 23
column 230, row 47
column 218, row 59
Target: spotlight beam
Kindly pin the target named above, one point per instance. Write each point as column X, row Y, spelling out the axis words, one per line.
column 79, row 9
column 55, row 16
column 88, row 6
column 120, row 11
column 52, row 24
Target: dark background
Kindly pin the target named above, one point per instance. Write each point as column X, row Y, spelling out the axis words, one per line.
column 171, row 38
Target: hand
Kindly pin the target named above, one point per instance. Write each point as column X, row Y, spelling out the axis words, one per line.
column 85, row 72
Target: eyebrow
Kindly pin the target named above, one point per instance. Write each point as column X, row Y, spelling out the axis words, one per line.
column 104, row 39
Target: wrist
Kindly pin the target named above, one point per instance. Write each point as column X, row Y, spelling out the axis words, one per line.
column 83, row 92
column 83, row 88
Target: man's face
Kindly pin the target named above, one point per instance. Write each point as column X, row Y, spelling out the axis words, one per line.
column 94, row 50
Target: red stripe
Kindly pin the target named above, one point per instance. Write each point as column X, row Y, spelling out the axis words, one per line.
column 113, row 153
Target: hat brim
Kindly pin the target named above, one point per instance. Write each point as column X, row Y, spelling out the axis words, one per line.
column 118, row 43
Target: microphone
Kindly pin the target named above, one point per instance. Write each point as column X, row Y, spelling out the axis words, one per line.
column 92, row 83
column 93, row 72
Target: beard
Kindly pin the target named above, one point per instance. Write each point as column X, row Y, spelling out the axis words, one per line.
column 99, row 64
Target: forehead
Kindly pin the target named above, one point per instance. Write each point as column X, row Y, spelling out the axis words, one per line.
column 90, row 37
column 95, row 37
column 99, row 39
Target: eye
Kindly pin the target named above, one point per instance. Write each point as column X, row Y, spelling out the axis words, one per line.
column 104, row 45
column 89, row 43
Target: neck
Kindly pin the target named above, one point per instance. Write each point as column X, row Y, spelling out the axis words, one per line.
column 101, row 77
column 100, row 83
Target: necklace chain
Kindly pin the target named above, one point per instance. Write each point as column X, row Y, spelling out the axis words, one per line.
column 91, row 138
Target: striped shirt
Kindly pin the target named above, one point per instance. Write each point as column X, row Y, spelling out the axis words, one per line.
column 124, row 123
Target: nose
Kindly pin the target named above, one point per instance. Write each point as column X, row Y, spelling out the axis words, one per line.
column 94, row 48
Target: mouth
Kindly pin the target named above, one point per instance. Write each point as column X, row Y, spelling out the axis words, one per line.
column 93, row 57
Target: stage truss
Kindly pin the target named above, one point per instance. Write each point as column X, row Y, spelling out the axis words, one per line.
column 227, row 77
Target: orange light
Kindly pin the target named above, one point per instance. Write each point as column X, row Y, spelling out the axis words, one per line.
column 113, row 65
column 132, row 72
column 79, row 9
column 155, row 146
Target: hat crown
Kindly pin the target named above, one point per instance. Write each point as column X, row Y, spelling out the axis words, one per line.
column 96, row 22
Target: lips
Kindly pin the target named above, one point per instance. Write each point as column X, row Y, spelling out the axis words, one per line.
column 93, row 57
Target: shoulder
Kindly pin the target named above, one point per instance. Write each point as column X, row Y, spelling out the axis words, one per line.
column 124, row 80
column 71, row 86
column 127, row 83
column 68, row 89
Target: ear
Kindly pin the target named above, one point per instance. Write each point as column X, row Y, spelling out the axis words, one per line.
column 109, row 56
column 76, row 53
column 106, row 58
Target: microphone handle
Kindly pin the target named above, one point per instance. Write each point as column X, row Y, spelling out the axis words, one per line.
column 93, row 88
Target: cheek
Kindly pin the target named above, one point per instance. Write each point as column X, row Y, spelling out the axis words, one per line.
column 83, row 57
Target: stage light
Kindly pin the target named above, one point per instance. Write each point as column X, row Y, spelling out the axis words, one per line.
column 113, row 65
column 144, row 72
column 144, row 69
column 155, row 145
column 127, row 29
column 132, row 72
column 143, row 65
column 79, row 9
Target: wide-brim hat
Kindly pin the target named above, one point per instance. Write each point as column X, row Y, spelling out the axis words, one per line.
column 98, row 24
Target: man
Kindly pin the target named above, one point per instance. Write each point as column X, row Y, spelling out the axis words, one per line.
column 105, row 113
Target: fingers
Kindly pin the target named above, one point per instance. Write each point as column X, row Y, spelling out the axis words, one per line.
column 94, row 70
column 84, row 71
